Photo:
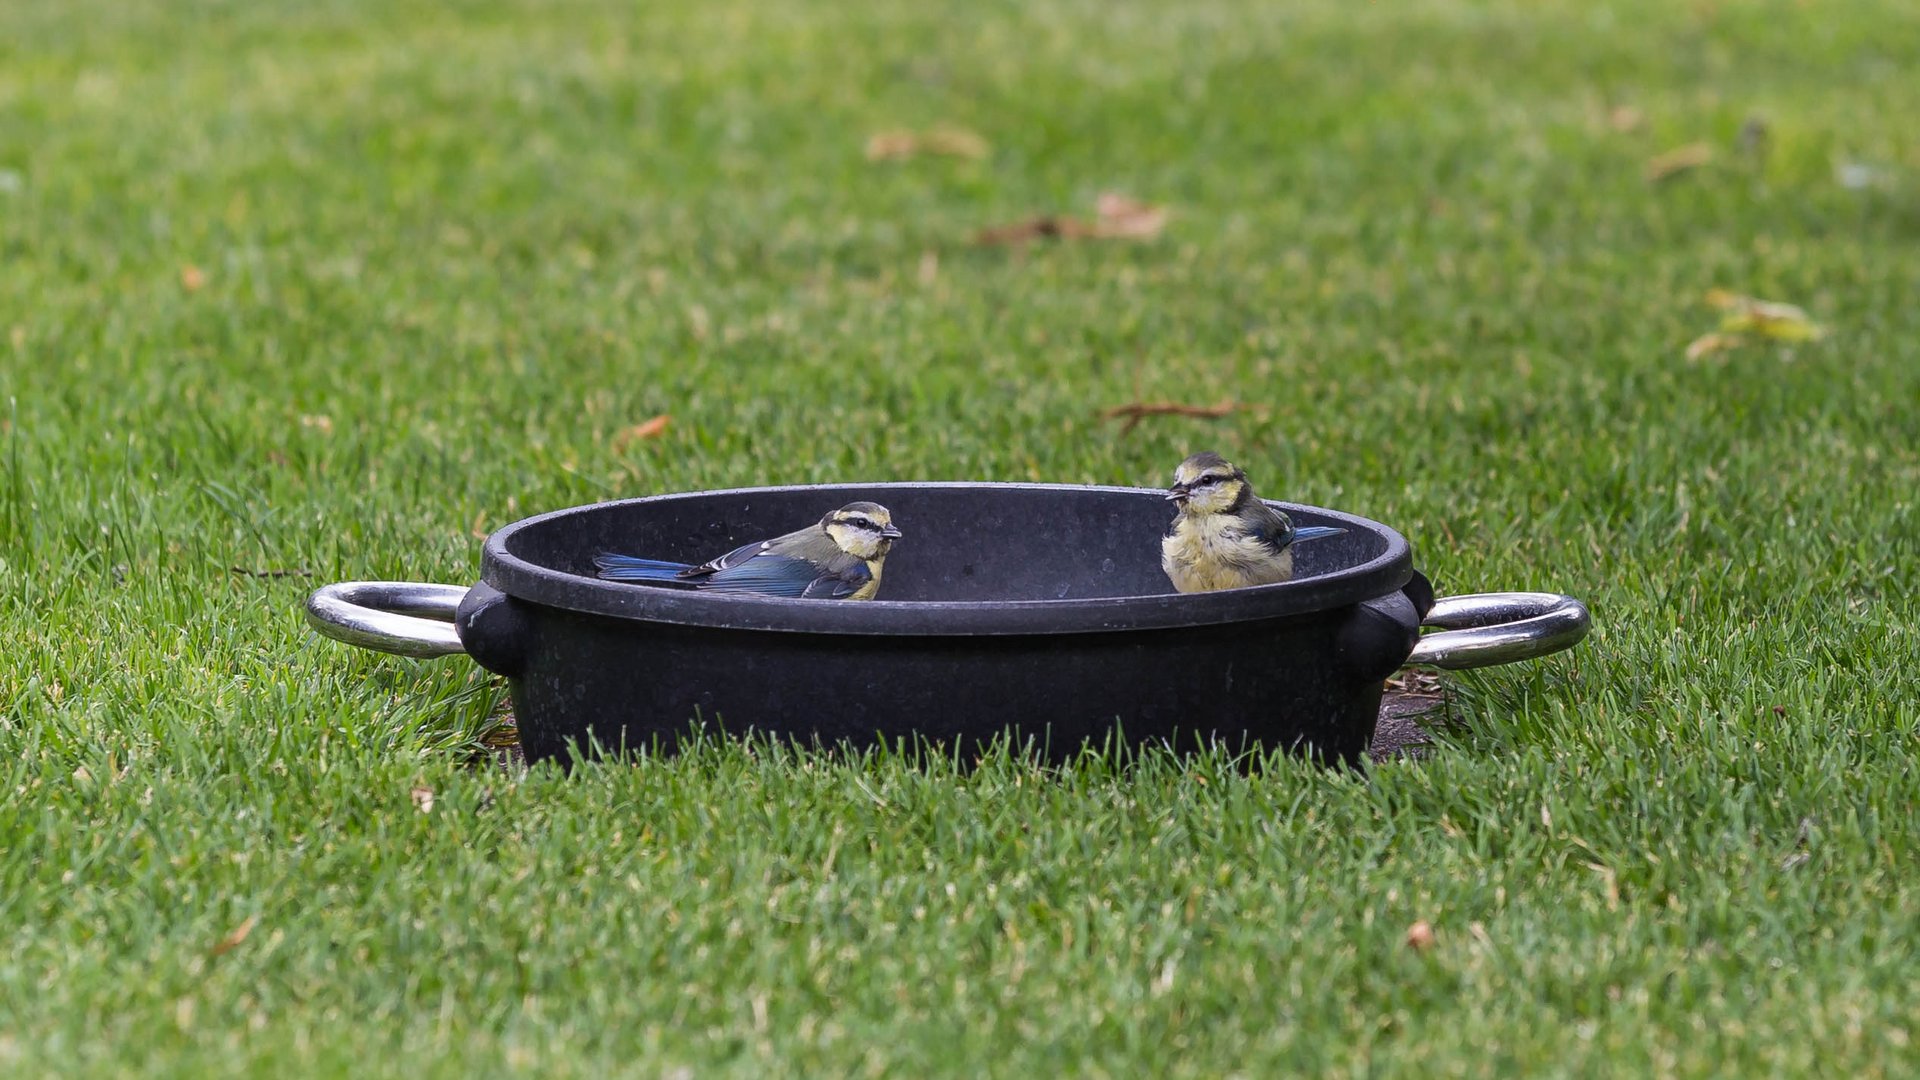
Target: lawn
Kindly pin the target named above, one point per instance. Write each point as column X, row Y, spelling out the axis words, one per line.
column 332, row 289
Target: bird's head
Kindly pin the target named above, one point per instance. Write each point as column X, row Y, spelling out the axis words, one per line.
column 1207, row 483
column 863, row 530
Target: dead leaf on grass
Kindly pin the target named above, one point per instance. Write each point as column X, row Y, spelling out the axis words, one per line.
column 1746, row 320
column 422, row 799
column 1680, row 159
column 1116, row 217
column 1708, row 344
column 1039, row 228
column 235, row 936
column 1624, row 118
column 192, row 278
column 1131, row 414
column 1123, row 217
column 1413, row 681
column 318, row 422
column 943, row 141
column 651, row 428
column 1420, row 936
column 1767, row 318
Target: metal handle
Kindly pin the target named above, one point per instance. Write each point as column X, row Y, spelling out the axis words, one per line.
column 411, row 618
column 1498, row 628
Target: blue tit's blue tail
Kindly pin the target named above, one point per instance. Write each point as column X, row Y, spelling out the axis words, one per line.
column 1315, row 532
column 632, row 568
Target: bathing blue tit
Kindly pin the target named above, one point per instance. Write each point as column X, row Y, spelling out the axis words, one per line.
column 838, row 559
column 1224, row 536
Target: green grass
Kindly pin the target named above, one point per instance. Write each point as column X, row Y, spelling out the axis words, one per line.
column 481, row 239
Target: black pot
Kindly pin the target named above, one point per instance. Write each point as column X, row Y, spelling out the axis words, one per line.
column 1031, row 610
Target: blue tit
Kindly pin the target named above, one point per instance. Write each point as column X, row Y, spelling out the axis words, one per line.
column 1224, row 536
column 837, row 559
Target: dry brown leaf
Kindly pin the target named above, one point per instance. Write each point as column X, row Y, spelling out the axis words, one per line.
column 1039, row 228
column 82, row 775
column 192, row 278
column 1420, row 936
column 943, row 141
column 422, row 799
column 929, row 268
column 955, row 142
column 1137, row 411
column 235, row 936
column 1624, row 118
column 892, row 145
column 650, row 428
column 1708, row 344
column 1678, row 160
column 1116, row 217
column 318, row 422
column 1415, row 681
column 1123, row 217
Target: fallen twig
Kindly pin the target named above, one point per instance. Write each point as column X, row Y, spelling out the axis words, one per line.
column 1139, row 410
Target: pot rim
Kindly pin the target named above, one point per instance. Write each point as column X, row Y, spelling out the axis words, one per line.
column 533, row 583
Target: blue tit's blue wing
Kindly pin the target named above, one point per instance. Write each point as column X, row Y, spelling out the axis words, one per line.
column 1278, row 532
column 633, row 568
column 1272, row 528
column 737, row 557
column 1316, row 532
column 777, row 575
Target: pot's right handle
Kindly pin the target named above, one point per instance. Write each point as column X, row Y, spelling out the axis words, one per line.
column 1482, row 629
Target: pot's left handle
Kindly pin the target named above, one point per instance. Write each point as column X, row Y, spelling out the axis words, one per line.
column 408, row 618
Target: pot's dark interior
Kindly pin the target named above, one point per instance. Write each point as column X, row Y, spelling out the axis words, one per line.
column 967, row 547
column 1023, row 544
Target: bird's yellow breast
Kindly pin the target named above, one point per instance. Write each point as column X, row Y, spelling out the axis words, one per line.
column 1205, row 552
column 865, row 592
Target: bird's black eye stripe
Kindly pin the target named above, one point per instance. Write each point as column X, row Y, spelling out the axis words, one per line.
column 861, row 523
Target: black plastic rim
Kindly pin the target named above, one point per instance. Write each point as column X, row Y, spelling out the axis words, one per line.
column 527, row 581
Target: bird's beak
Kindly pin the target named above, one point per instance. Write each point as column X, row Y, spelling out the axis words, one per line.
column 890, row 533
column 1179, row 493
